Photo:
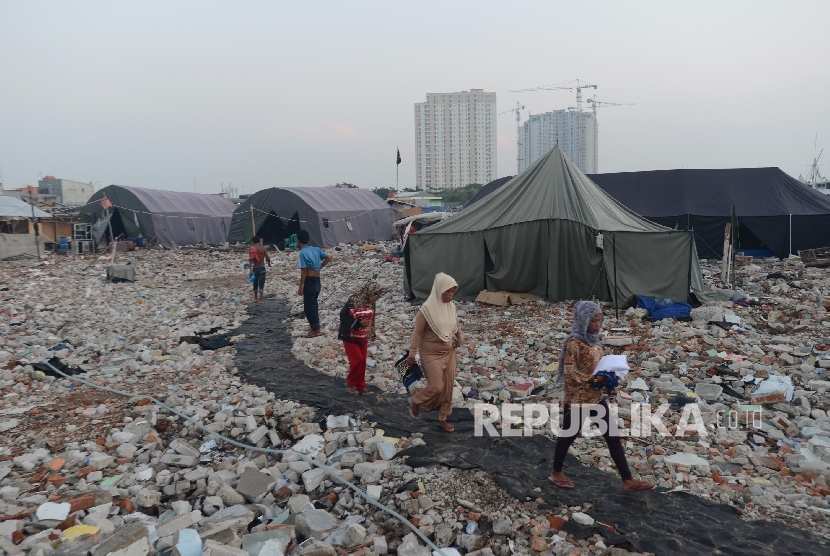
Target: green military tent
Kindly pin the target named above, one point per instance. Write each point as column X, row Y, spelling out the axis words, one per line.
column 552, row 232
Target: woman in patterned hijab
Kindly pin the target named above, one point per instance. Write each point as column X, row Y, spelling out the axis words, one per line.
column 577, row 362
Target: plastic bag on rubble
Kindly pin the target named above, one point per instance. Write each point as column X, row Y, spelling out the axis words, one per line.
column 777, row 383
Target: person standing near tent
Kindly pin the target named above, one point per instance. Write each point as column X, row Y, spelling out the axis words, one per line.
column 579, row 357
column 357, row 319
column 436, row 336
column 311, row 261
column 257, row 257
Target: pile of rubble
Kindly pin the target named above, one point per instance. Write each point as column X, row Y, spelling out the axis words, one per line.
column 756, row 369
column 87, row 471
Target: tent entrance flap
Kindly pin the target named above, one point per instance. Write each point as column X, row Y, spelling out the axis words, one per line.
column 256, row 222
column 122, row 225
column 574, row 268
column 517, row 253
column 273, row 229
column 129, row 220
column 638, row 272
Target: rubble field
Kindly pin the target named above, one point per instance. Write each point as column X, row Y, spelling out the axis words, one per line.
column 86, row 471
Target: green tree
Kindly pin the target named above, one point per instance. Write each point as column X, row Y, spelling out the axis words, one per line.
column 461, row 194
column 382, row 192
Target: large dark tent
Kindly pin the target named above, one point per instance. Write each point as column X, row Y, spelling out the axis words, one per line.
column 774, row 210
column 331, row 215
column 487, row 189
column 164, row 217
column 539, row 234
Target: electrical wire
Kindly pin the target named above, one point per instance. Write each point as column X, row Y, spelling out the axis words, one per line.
column 331, row 472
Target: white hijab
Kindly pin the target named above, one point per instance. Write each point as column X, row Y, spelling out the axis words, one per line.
column 440, row 316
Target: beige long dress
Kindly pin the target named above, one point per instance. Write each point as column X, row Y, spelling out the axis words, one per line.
column 439, row 363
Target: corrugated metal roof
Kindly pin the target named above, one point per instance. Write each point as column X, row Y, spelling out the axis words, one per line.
column 11, row 207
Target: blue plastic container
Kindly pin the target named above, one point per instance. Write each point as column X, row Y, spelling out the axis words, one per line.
column 64, row 243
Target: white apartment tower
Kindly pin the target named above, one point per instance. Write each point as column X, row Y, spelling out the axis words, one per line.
column 455, row 139
column 542, row 131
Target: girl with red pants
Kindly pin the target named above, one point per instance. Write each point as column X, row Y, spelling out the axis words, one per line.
column 356, row 329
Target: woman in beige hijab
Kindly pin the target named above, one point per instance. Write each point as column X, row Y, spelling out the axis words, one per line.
column 435, row 337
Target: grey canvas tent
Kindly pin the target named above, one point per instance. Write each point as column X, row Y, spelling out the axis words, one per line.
column 539, row 234
column 330, row 215
column 164, row 217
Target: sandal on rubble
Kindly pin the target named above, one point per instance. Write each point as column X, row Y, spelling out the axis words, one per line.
column 561, row 483
column 446, row 426
column 639, row 487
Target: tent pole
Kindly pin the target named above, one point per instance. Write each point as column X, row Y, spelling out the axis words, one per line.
column 253, row 221
column 791, row 234
column 616, row 289
column 732, row 248
column 34, row 224
column 691, row 258
column 112, row 237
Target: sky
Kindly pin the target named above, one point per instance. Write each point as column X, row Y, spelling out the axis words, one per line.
column 189, row 95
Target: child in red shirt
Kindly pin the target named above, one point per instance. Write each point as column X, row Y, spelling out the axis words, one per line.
column 356, row 329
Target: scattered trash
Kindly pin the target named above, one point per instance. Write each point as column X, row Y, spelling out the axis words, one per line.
column 776, row 384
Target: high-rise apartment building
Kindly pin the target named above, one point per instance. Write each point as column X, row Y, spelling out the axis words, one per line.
column 542, row 131
column 455, row 139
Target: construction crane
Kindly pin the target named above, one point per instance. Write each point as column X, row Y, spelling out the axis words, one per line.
column 568, row 85
column 517, row 111
column 597, row 103
column 815, row 178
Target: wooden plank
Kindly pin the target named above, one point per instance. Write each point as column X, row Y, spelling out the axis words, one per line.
column 816, row 257
column 727, row 254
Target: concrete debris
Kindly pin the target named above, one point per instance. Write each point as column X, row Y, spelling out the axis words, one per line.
column 582, row 518
column 253, row 483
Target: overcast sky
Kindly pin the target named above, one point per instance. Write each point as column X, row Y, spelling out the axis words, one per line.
column 262, row 94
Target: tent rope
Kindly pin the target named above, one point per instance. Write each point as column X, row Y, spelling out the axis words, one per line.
column 591, row 295
column 705, row 243
column 162, row 215
column 314, row 221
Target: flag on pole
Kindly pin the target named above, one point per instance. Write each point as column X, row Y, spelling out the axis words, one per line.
column 399, row 156
column 106, row 203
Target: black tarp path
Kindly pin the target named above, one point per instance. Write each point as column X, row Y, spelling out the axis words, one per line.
column 664, row 524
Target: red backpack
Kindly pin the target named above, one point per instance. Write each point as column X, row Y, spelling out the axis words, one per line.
column 254, row 255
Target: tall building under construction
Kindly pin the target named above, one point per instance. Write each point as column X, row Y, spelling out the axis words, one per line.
column 542, row 131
